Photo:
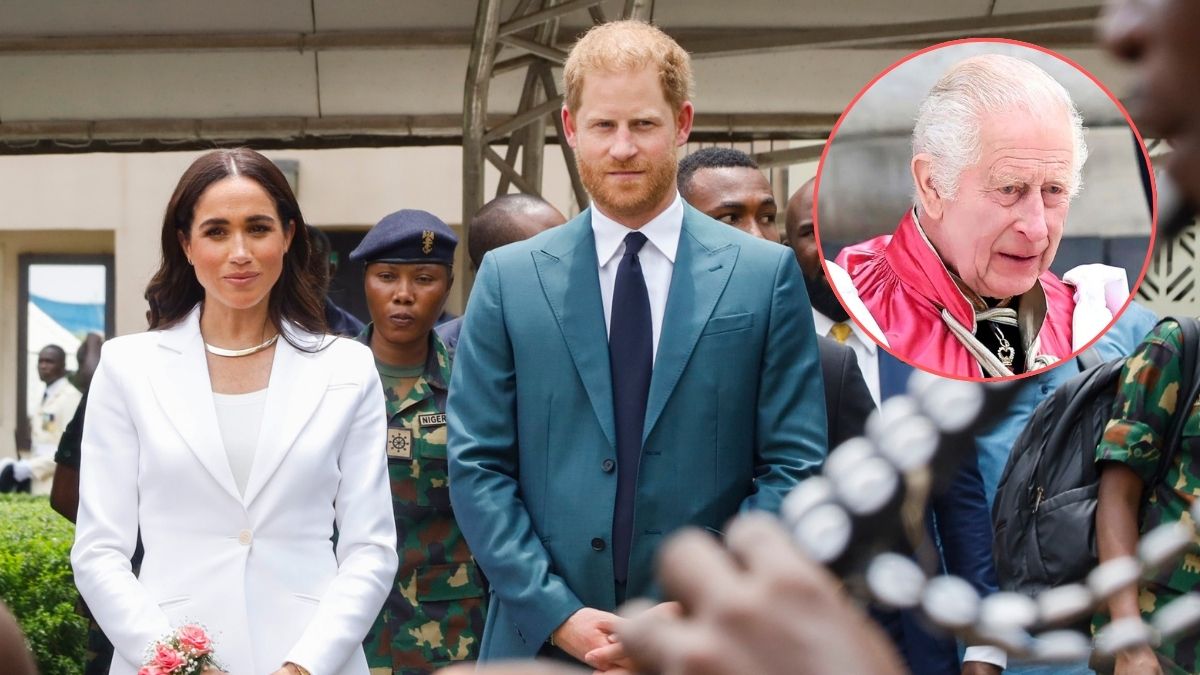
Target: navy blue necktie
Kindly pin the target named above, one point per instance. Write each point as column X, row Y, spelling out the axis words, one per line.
column 631, row 356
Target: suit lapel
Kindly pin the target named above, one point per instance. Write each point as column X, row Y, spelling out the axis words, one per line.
column 183, row 389
column 568, row 271
column 703, row 264
column 297, row 385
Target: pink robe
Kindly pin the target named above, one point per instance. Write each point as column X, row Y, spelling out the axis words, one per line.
column 905, row 285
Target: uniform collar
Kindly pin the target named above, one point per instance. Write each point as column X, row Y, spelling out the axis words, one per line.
column 437, row 363
column 56, row 386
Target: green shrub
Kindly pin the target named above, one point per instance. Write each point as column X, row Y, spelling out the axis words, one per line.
column 36, row 582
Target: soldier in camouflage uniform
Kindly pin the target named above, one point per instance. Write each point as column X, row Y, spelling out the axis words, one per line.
column 435, row 611
column 1146, row 402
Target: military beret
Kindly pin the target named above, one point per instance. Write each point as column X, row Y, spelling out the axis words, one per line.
column 408, row 236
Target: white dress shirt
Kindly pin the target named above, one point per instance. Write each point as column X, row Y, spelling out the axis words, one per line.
column 51, row 416
column 864, row 348
column 657, row 259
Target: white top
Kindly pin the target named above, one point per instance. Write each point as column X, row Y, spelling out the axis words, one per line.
column 1100, row 293
column 657, row 258
column 239, row 417
column 51, row 416
column 864, row 348
column 54, row 387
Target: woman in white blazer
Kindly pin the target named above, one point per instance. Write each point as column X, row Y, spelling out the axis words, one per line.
column 241, row 442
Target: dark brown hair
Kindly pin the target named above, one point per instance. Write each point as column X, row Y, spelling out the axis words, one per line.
column 174, row 290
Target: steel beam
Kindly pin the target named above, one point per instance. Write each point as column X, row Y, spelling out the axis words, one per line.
column 509, row 173
column 539, row 18
column 545, row 51
column 522, row 120
column 787, row 156
column 474, row 122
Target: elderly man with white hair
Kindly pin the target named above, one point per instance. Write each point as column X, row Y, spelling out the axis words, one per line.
column 963, row 286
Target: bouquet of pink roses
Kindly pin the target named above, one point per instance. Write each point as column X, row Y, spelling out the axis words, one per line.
column 186, row 652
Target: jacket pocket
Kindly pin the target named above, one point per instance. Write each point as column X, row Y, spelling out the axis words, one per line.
column 453, row 581
column 173, row 602
column 728, row 323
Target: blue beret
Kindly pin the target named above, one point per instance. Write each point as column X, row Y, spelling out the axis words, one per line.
column 408, row 236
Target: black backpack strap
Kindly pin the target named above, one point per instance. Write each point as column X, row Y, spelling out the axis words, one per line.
column 1189, row 381
column 1089, row 358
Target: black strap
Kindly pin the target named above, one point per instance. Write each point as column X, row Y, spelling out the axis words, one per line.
column 1189, row 376
column 1089, row 358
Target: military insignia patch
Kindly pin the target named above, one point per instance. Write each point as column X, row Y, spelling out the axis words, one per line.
column 399, row 444
column 427, row 241
column 431, row 420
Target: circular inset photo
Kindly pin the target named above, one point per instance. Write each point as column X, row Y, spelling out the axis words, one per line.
column 984, row 209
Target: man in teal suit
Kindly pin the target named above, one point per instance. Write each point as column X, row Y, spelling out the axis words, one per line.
column 639, row 369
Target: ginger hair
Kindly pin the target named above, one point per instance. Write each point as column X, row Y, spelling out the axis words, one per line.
column 622, row 46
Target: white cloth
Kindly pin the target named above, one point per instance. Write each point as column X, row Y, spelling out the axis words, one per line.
column 1100, row 293
column 239, row 417
column 50, row 419
column 986, row 654
column 864, row 348
column 258, row 570
column 657, row 259
column 22, row 470
column 840, row 279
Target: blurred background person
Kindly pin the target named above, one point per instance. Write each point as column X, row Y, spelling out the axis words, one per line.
column 727, row 185
column 35, row 474
column 504, row 220
column 957, row 519
column 1158, row 40
column 337, row 320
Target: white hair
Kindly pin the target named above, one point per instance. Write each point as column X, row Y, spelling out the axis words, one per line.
column 948, row 120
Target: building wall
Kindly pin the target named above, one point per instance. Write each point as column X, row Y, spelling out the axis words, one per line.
column 125, row 194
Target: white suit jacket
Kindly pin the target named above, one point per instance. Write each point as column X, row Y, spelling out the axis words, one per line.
column 259, row 572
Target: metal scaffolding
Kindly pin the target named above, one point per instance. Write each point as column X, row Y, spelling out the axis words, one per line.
column 529, row 38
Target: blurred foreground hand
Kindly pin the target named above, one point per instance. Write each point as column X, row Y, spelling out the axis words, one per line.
column 758, row 606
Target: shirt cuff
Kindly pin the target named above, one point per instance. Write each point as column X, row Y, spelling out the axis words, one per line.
column 987, row 654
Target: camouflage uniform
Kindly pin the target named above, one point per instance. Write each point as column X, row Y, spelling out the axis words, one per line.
column 434, row 613
column 1146, row 402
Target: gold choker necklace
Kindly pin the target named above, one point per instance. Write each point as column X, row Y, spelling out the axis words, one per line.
column 234, row 353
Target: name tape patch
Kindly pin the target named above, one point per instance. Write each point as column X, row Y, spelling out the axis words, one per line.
column 431, row 420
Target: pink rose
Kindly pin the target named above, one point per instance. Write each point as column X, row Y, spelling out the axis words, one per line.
column 149, row 670
column 166, row 659
column 194, row 639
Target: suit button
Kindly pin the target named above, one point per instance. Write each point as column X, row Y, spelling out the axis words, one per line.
column 597, row 544
column 245, row 537
column 608, row 465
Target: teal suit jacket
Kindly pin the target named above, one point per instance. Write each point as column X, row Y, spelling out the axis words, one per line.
column 735, row 417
